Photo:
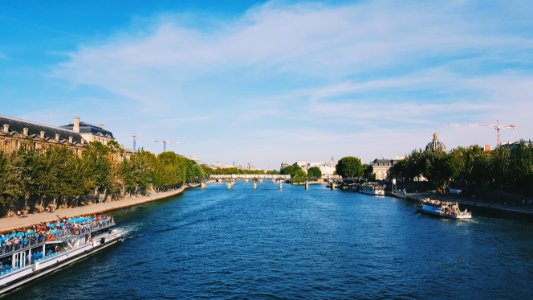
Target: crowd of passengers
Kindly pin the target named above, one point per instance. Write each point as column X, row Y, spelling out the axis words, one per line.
column 48, row 231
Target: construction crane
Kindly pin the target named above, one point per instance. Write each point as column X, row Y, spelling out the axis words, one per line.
column 165, row 143
column 496, row 126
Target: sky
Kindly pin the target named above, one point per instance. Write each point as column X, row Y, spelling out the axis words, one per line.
column 265, row 82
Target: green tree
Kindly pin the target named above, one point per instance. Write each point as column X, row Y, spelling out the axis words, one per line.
column 350, row 167
column 97, row 168
column 521, row 161
column 314, row 172
column 299, row 176
column 10, row 184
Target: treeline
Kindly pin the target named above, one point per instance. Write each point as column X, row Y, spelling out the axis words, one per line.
column 299, row 175
column 471, row 168
column 33, row 179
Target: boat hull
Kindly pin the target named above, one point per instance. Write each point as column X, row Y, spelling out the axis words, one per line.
column 54, row 263
column 436, row 211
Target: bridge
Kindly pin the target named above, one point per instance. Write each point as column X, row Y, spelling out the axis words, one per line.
column 249, row 177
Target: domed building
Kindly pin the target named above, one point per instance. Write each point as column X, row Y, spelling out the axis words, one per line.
column 435, row 144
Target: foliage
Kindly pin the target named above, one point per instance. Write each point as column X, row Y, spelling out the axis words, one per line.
column 54, row 175
column 471, row 168
column 350, row 167
column 314, row 172
column 299, row 176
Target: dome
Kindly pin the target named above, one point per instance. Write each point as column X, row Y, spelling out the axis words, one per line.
column 435, row 144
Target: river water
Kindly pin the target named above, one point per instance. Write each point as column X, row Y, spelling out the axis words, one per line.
column 298, row 244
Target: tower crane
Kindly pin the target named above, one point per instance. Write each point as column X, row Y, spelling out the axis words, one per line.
column 165, row 143
column 496, row 126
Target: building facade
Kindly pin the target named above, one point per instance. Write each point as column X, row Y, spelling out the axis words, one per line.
column 380, row 167
column 91, row 133
column 15, row 133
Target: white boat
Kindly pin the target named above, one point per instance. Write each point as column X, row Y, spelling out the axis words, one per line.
column 443, row 209
column 372, row 189
column 39, row 254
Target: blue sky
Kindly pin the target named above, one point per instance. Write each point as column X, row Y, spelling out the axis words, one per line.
column 266, row 82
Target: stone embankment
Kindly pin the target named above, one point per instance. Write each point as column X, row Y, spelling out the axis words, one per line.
column 10, row 223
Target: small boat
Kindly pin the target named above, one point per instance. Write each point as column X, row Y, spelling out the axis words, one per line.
column 443, row 209
column 372, row 189
column 32, row 253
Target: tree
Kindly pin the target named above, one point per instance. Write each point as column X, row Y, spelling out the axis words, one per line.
column 349, row 167
column 522, row 167
column 290, row 170
column 10, row 184
column 368, row 172
column 314, row 172
column 299, row 176
column 438, row 169
column 97, row 167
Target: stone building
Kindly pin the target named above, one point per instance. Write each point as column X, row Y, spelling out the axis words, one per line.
column 16, row 132
column 380, row 167
column 89, row 132
column 435, row 144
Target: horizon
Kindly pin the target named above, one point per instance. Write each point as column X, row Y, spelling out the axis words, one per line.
column 271, row 82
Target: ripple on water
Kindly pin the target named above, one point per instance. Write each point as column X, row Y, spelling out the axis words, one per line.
column 267, row 244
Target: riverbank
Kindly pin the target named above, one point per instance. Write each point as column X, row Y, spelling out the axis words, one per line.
column 526, row 211
column 10, row 223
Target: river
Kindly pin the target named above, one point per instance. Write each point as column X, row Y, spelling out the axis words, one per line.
column 297, row 244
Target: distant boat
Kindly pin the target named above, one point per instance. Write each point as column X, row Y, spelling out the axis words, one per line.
column 373, row 189
column 443, row 209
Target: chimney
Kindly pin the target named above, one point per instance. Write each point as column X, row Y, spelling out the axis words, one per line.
column 57, row 137
column 487, row 148
column 6, row 128
column 76, row 127
column 70, row 139
column 101, row 125
column 25, row 131
column 41, row 135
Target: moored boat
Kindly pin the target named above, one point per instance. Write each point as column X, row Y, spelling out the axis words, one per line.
column 443, row 209
column 40, row 249
column 374, row 189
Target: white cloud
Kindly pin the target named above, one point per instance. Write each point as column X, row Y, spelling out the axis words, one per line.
column 371, row 65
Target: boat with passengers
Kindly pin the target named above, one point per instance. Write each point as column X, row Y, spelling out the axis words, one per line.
column 372, row 188
column 32, row 252
column 444, row 209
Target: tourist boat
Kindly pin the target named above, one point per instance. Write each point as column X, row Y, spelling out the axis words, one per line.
column 41, row 254
column 372, row 189
column 443, row 209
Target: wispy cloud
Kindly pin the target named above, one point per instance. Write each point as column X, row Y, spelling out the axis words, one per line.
column 369, row 66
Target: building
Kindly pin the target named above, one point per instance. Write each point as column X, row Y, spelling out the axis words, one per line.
column 15, row 132
column 380, row 167
column 89, row 132
column 513, row 145
column 435, row 144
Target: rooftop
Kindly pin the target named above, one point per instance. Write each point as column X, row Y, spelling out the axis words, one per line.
column 34, row 129
column 90, row 128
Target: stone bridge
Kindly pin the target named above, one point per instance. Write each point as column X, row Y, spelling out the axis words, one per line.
column 249, row 177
